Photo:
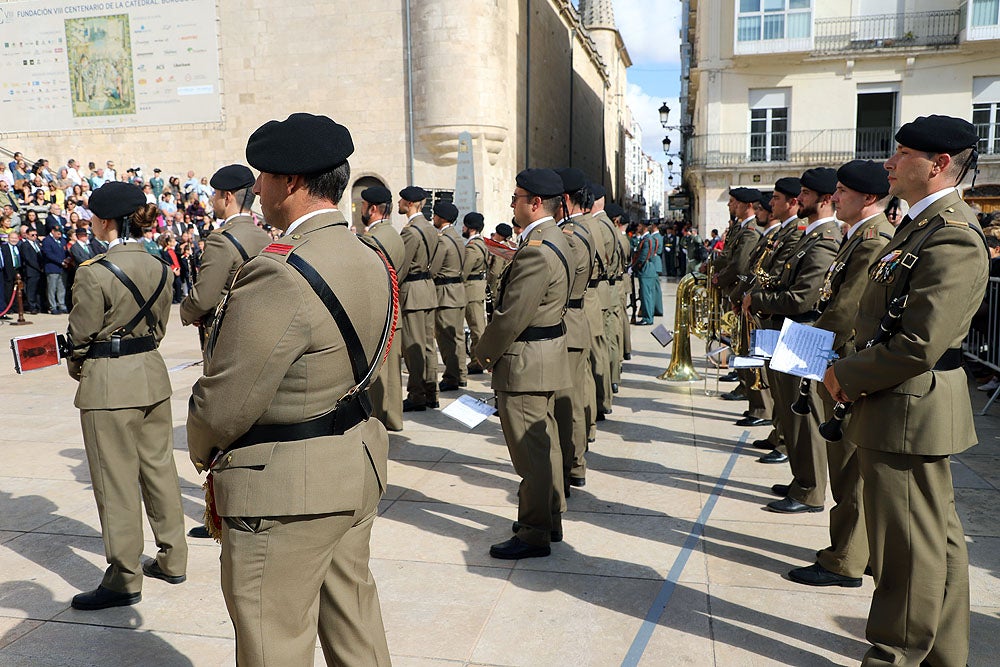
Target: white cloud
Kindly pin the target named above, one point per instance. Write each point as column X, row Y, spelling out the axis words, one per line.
column 650, row 29
column 646, row 112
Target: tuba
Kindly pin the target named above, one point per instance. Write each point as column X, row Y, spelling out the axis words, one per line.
column 690, row 316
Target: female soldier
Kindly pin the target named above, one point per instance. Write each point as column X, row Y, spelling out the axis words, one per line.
column 121, row 302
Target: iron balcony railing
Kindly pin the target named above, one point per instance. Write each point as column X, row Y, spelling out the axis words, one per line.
column 887, row 31
column 798, row 147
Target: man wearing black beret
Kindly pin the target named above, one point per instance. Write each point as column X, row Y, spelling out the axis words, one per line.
column 911, row 408
column 226, row 248
column 280, row 417
column 474, row 271
column 525, row 346
column 387, row 389
column 613, row 314
column 418, row 297
column 449, row 318
column 795, row 294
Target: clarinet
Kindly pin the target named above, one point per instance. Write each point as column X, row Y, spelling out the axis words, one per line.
column 832, row 430
column 801, row 404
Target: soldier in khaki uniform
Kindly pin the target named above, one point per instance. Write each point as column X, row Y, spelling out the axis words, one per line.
column 226, row 248
column 795, row 295
column 912, row 407
column 495, row 266
column 525, row 346
column 418, row 300
column 860, row 199
column 449, row 318
column 280, row 417
column 121, row 304
column 608, row 292
column 474, row 272
column 387, row 389
column 617, row 215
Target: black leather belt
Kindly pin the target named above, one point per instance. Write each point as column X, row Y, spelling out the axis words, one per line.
column 478, row 276
column 121, row 347
column 542, row 333
column 338, row 422
column 575, row 303
column 423, row 275
column 448, row 281
column 949, row 361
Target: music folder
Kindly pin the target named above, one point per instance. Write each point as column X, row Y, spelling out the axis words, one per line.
column 32, row 353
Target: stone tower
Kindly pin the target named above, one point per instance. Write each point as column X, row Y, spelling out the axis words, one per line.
column 597, row 13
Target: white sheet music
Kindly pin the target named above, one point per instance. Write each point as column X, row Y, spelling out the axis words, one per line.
column 469, row 410
column 763, row 342
column 746, row 362
column 803, row 351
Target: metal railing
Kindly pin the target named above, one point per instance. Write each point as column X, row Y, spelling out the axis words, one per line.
column 887, row 31
column 983, row 342
column 799, row 147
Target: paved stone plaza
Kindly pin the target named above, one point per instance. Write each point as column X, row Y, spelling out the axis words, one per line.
column 668, row 557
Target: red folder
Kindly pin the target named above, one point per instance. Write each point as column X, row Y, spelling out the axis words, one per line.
column 32, row 353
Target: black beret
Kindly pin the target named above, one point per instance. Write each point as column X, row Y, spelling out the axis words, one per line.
column 598, row 190
column 446, row 210
column 116, row 199
column 613, row 210
column 745, row 195
column 938, row 134
column 541, row 182
column 413, row 193
column 820, row 179
column 572, row 179
column 765, row 203
column 865, row 176
column 788, row 186
column 301, row 144
column 505, row 230
column 376, row 194
column 232, row 178
column 474, row 220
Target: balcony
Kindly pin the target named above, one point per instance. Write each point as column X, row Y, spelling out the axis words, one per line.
column 983, row 20
column 887, row 31
column 808, row 147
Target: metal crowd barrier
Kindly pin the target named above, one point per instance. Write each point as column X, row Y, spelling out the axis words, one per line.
column 983, row 342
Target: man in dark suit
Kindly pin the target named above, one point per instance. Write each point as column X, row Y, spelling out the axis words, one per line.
column 10, row 266
column 55, row 255
column 31, row 269
column 55, row 219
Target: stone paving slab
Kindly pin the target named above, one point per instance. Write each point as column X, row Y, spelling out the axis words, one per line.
column 634, row 582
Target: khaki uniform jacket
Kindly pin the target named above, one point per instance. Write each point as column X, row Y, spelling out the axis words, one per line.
column 102, row 304
column 279, row 358
column 593, row 302
column 495, row 266
column 848, row 277
column 578, row 334
column 384, row 237
column 739, row 288
column 449, row 264
column 420, row 241
column 903, row 406
column 784, row 246
column 722, row 259
column 614, row 266
column 533, row 293
column 219, row 262
column 801, row 276
column 475, row 269
column 604, row 249
column 736, row 255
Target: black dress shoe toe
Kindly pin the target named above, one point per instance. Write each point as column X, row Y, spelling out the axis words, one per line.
column 731, row 396
column 410, row 406
column 152, row 569
column 474, row 370
column 731, row 376
column 792, row 506
column 762, row 444
column 627, row 357
column 780, row 490
column 817, row 575
column 600, row 416
column 577, row 481
column 753, row 421
column 447, row 387
column 199, row 531
column 104, row 598
column 773, row 456
column 515, row 549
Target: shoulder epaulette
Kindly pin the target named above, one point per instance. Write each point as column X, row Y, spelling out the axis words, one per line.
column 801, row 228
column 870, row 233
column 93, row 259
column 279, row 248
column 534, row 243
column 956, row 223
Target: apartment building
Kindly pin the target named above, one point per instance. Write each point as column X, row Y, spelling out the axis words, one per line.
column 772, row 87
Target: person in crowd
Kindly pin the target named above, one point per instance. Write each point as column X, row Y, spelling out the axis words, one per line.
column 167, row 253
column 32, row 263
column 57, row 260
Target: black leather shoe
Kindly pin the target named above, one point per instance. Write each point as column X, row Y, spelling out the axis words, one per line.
column 442, row 386
column 753, row 421
column 792, row 506
column 817, row 575
column 773, row 456
column 626, row 356
column 199, row 531
column 474, row 371
column 577, row 481
column 152, row 569
column 731, row 396
column 780, row 490
column 731, row 376
column 103, row 598
column 868, row 571
column 614, row 387
column 762, row 444
column 434, row 404
column 410, row 406
column 515, row 549
column 554, row 536
column 600, row 416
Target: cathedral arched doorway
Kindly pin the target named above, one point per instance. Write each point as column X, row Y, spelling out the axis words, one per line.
column 359, row 186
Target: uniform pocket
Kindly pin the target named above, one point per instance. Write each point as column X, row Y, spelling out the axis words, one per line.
column 916, row 386
column 255, row 456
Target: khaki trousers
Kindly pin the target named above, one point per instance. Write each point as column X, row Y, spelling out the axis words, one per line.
column 761, row 403
column 529, row 427
column 613, row 334
column 624, row 318
column 847, row 554
column 571, row 409
column 601, row 369
column 292, row 577
column 779, row 383
column 415, row 344
column 475, row 316
column 920, row 609
column 807, row 456
column 386, row 391
column 449, row 330
column 131, row 450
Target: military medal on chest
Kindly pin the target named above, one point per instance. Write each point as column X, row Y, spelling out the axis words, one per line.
column 882, row 272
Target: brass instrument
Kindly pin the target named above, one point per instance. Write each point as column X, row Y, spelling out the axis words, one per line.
column 690, row 316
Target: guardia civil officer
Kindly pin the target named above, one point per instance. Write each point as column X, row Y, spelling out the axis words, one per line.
column 911, row 403
column 121, row 304
column 387, row 389
column 474, row 271
column 281, row 415
column 449, row 317
column 525, row 346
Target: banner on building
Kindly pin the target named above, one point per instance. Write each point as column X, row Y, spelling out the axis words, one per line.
column 107, row 64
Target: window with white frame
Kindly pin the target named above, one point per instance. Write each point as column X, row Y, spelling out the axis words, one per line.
column 759, row 20
column 769, row 125
column 986, row 113
column 985, row 12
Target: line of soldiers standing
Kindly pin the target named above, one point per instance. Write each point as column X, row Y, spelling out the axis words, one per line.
column 822, row 252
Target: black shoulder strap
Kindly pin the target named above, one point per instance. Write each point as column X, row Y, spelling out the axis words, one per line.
column 237, row 245
column 909, row 260
column 459, row 251
column 562, row 258
column 616, row 249
column 145, row 306
column 380, row 246
column 427, row 247
column 590, row 252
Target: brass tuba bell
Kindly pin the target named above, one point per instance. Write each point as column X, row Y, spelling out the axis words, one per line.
column 688, row 313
